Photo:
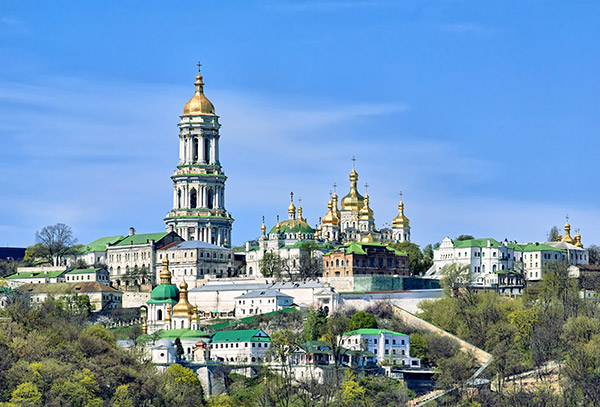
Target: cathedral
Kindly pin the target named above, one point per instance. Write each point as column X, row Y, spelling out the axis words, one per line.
column 199, row 182
column 355, row 220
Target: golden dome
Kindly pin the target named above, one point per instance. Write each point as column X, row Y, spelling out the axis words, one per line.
column 183, row 308
column 334, row 201
column 353, row 201
column 400, row 221
column 366, row 213
column 577, row 238
column 368, row 239
column 199, row 104
column 165, row 274
column 558, row 238
column 567, row 237
column 263, row 228
column 330, row 219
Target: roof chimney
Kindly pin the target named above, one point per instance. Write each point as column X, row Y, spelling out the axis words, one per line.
column 131, row 231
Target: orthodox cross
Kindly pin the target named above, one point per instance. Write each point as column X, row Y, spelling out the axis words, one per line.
column 199, row 65
column 567, row 218
column 334, row 187
column 263, row 219
column 299, row 201
column 400, row 195
column 353, row 161
column 330, row 194
column 366, row 188
column 292, row 196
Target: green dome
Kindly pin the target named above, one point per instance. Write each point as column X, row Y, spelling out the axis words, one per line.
column 293, row 226
column 164, row 293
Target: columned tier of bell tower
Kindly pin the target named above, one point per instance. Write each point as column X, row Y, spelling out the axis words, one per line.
column 199, row 182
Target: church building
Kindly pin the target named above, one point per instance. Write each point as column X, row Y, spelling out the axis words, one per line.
column 199, row 182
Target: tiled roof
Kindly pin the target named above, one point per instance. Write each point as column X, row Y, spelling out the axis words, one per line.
column 141, row 238
column 373, row 331
column 263, row 294
column 246, row 335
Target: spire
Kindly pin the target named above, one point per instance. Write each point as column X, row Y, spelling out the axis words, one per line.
column 400, row 221
column 292, row 207
column 199, row 103
column 353, row 201
column 183, row 308
column 165, row 274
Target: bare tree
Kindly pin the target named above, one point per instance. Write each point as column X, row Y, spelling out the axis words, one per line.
column 57, row 239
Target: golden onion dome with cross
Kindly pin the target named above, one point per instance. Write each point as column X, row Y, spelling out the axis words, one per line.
column 199, row 103
column 353, row 201
column 183, row 308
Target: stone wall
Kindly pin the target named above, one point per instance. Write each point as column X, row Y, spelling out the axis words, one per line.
column 135, row 299
column 380, row 283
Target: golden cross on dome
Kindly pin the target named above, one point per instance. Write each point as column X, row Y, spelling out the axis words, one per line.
column 198, row 65
column 292, row 196
column 334, row 187
column 366, row 188
column 353, row 161
column 567, row 218
column 400, row 195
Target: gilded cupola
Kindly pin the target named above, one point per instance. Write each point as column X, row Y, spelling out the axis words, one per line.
column 263, row 228
column 292, row 207
column 199, row 103
column 165, row 274
column 183, row 308
column 577, row 238
column 330, row 219
column 567, row 237
column 353, row 201
column 366, row 213
column 400, row 221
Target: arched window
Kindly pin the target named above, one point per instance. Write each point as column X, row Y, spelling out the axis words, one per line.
column 483, row 268
column 159, row 315
column 195, row 149
column 210, row 198
column 179, row 198
column 193, row 198
column 337, row 263
column 206, row 149
column 494, row 268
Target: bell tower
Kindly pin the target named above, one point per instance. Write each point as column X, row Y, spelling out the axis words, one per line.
column 199, row 182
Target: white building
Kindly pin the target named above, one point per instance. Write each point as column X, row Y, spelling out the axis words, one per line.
column 163, row 351
column 199, row 182
column 261, row 302
column 195, row 260
column 388, row 346
column 486, row 257
column 219, row 296
column 36, row 275
column 239, row 346
column 131, row 260
column 94, row 252
column 99, row 274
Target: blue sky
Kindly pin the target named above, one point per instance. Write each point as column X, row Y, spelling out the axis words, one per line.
column 484, row 113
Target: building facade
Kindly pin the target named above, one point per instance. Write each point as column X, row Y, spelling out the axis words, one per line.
column 36, row 275
column 199, row 182
column 365, row 258
column 261, row 302
column 99, row 274
column 388, row 346
column 196, row 260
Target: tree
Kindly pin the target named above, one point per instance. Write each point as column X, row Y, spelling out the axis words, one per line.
column 57, row 240
column 456, row 278
column 362, row 320
column 554, row 232
column 594, row 254
column 415, row 256
column 37, row 253
column 181, row 387
column 315, row 324
column 271, row 265
column 26, row 394
column 352, row 392
column 179, row 348
column 311, row 264
column 418, row 346
column 121, row 397
column 465, row 237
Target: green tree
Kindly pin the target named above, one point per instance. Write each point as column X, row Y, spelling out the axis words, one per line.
column 37, row 253
column 57, row 239
column 418, row 346
column 465, row 237
column 181, row 387
column 220, row 400
column 362, row 320
column 78, row 389
column 415, row 256
column 121, row 398
column 315, row 324
column 353, row 394
column 26, row 394
column 179, row 348
column 100, row 332
column 271, row 265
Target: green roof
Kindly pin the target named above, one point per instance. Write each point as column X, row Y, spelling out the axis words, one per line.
column 293, row 226
column 317, row 347
column 85, row 271
column 225, row 324
column 141, row 238
column 373, row 331
column 164, row 293
column 246, row 335
column 99, row 245
column 538, row 247
column 39, row 274
column 360, row 248
column 183, row 334
column 476, row 243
